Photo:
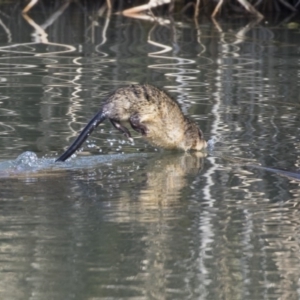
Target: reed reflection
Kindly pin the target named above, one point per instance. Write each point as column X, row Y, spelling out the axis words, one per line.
column 280, row 232
column 222, row 232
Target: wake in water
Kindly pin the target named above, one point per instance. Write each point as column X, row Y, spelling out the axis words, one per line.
column 28, row 162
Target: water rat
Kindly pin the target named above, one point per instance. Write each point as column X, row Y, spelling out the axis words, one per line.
column 151, row 112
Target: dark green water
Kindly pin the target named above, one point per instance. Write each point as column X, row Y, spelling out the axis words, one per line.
column 128, row 221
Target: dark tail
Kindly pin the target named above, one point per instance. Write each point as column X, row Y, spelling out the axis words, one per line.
column 87, row 130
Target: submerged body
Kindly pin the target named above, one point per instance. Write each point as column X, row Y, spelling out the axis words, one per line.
column 150, row 112
column 289, row 174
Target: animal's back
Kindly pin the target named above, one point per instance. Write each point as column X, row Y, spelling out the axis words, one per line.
column 158, row 112
column 141, row 99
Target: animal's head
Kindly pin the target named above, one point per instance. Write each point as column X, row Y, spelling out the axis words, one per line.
column 194, row 139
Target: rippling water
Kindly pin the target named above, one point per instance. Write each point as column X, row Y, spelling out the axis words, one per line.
column 129, row 221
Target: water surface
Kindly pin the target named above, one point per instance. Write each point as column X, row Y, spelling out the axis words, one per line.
column 129, row 221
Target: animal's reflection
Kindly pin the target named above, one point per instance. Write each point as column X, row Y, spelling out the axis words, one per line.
column 152, row 178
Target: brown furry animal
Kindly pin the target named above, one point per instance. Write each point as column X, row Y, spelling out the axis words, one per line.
column 150, row 112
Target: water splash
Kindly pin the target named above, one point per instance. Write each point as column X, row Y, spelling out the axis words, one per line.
column 26, row 160
column 29, row 163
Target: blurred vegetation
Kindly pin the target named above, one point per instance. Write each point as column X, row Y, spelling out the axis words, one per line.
column 257, row 8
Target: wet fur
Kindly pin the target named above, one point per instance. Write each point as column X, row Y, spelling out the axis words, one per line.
column 151, row 112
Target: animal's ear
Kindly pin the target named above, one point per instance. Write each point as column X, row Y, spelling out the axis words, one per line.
column 201, row 136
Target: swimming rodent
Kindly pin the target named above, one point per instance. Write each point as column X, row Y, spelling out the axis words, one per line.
column 289, row 174
column 241, row 162
column 151, row 112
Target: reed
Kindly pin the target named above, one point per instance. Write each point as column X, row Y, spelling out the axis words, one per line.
column 214, row 8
